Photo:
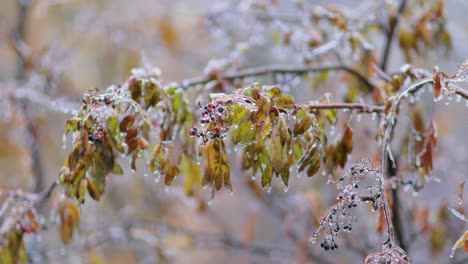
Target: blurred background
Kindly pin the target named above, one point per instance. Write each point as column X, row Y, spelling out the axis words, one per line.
column 58, row 49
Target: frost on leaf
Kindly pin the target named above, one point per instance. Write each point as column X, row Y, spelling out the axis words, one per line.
column 217, row 170
column 461, row 242
column 393, row 255
column 69, row 219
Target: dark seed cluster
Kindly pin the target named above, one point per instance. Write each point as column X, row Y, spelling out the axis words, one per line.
column 97, row 132
column 339, row 218
column 212, row 121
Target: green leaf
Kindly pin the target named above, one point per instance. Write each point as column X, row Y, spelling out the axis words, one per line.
column 112, row 124
column 73, row 124
column 303, row 124
column 284, row 101
column 243, row 133
column 117, row 170
column 267, row 175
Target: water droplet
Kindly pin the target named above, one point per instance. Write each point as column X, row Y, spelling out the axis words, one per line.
column 452, row 252
column 411, row 99
column 286, row 188
column 253, row 178
column 198, row 162
column 167, row 188
column 269, row 189
column 332, row 130
column 373, row 115
column 210, row 202
column 145, row 174
column 345, row 110
column 458, row 98
column 236, row 149
column 133, row 171
column 466, row 103
column 313, row 239
column 64, row 141
column 359, row 117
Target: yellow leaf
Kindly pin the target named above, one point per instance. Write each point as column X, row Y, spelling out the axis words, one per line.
column 460, row 243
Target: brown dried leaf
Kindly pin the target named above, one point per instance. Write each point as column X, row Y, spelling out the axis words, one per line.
column 126, row 122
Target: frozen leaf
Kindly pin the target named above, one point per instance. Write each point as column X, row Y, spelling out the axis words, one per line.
column 284, row 101
column 112, row 124
column 14, row 251
column 460, row 243
column 310, row 158
column 437, row 85
column 243, row 133
column 267, row 175
column 418, row 122
column 303, row 124
column 191, row 172
column 217, row 170
column 93, row 190
column 73, row 124
column 69, row 220
column 126, row 122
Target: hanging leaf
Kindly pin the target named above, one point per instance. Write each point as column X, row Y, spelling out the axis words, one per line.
column 217, row 170
column 267, row 175
column 461, row 189
column 192, row 174
column 69, row 220
column 243, row 133
column 14, row 251
column 437, row 85
column 461, row 242
column 127, row 122
column 73, row 124
column 303, row 124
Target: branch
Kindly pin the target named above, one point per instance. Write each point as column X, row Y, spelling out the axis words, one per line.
column 390, row 34
column 31, row 131
column 362, row 107
column 278, row 69
column 388, row 124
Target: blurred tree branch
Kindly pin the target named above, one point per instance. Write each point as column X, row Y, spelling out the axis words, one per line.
column 278, row 69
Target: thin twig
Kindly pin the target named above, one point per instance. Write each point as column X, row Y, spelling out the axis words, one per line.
column 31, row 137
column 388, row 125
column 390, row 33
column 278, row 69
column 361, row 107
